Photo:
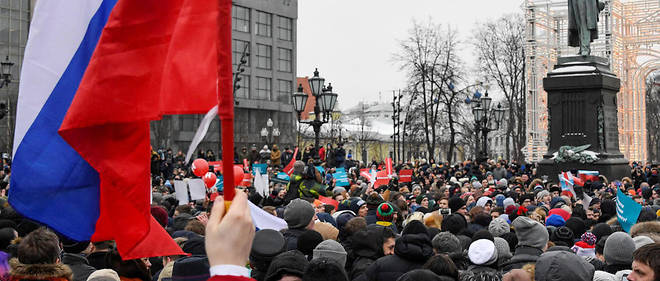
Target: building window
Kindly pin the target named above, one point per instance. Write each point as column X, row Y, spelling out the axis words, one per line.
column 240, row 18
column 284, row 90
column 263, row 88
column 237, row 48
column 263, row 24
column 244, row 91
column 264, row 54
column 284, row 60
column 285, row 27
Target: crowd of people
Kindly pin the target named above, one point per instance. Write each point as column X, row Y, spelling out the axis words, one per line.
column 496, row 220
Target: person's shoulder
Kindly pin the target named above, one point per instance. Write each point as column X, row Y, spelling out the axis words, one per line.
column 229, row 278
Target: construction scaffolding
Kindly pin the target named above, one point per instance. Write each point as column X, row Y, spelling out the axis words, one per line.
column 629, row 36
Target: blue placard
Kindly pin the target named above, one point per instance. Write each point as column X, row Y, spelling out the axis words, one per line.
column 341, row 177
column 321, row 170
column 283, row 176
column 263, row 168
column 627, row 210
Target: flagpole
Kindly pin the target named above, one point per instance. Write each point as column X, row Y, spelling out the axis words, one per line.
column 226, row 97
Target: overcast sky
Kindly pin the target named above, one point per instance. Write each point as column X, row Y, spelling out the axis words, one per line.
column 352, row 41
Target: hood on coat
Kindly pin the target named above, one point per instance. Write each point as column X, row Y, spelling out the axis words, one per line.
column 414, row 247
column 39, row 271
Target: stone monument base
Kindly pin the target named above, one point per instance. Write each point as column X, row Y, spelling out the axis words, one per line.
column 582, row 111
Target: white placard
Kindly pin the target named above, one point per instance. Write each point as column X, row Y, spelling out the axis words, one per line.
column 197, row 189
column 181, row 191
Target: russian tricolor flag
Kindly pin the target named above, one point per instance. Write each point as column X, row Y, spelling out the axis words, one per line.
column 588, row 175
column 95, row 73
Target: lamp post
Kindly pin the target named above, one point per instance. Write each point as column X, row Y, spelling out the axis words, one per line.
column 325, row 101
column 5, row 109
column 486, row 119
column 269, row 133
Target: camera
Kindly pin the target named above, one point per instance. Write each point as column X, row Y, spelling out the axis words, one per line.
column 445, row 212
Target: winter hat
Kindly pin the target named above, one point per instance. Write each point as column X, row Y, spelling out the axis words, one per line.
column 557, row 202
column 498, row 227
column 577, row 226
column 291, row 262
column 642, row 240
column 476, row 185
column 298, row 167
column 332, row 250
column 562, row 236
column 562, row 265
column 327, row 230
column 601, row 229
column 191, row 268
column 586, row 247
column 160, row 214
column 355, row 204
column 298, row 213
column 508, row 202
column 374, row 200
column 455, row 203
column 414, row 227
column 499, row 200
column 195, row 246
column 454, row 223
column 502, row 183
column 103, row 275
column 530, row 232
column 385, row 212
column 446, row 243
column 267, row 244
column 510, row 209
column 307, row 241
column 561, row 212
column 555, row 220
column 541, row 194
column 503, row 249
column 618, row 249
column 483, row 201
column 324, row 269
column 482, row 252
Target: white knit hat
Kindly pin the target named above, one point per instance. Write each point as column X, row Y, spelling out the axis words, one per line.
column 482, row 252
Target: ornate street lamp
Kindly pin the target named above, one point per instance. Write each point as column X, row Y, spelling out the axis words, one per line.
column 325, row 101
column 486, row 119
column 269, row 133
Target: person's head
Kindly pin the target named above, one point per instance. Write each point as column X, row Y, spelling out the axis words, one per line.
column 442, row 265
column 299, row 214
column 446, row 243
column 388, row 241
column 289, row 266
column 619, row 248
column 646, row 263
column 320, row 269
column 443, row 203
column 530, row 233
column 136, row 268
column 41, row 246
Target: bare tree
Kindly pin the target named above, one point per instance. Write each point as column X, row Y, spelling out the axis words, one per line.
column 501, row 58
column 429, row 56
column 653, row 115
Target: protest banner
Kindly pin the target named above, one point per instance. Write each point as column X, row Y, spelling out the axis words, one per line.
column 627, row 210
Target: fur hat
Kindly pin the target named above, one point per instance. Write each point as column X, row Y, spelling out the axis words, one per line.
column 498, row 227
column 298, row 213
column 291, row 262
column 308, row 240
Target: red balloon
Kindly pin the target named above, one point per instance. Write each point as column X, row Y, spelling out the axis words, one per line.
column 209, row 179
column 238, row 175
column 200, row 167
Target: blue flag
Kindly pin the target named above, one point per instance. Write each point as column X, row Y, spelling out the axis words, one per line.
column 283, row 176
column 627, row 210
column 341, row 177
column 263, row 169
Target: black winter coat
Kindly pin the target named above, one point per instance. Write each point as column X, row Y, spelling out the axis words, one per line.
column 411, row 251
column 79, row 265
column 367, row 248
column 291, row 238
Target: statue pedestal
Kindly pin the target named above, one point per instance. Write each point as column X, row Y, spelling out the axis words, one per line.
column 582, row 111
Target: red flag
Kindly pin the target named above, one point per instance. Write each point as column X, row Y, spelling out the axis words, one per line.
column 289, row 167
column 388, row 166
column 405, row 175
column 381, row 178
column 151, row 60
column 366, row 174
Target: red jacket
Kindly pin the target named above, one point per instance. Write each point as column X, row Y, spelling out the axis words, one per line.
column 229, row 278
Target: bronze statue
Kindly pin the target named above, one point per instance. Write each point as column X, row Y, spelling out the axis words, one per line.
column 583, row 23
